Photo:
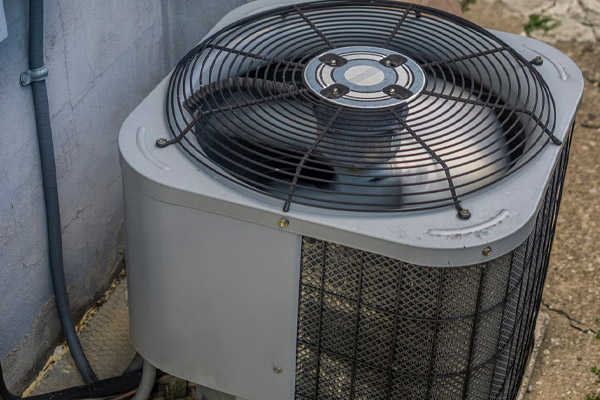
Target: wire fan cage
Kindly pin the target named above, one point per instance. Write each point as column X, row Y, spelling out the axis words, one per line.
column 372, row 327
column 247, row 94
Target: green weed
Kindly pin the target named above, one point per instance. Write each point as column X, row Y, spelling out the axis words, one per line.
column 596, row 371
column 540, row 22
column 464, row 4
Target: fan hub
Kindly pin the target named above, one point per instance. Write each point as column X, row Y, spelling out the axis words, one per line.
column 365, row 73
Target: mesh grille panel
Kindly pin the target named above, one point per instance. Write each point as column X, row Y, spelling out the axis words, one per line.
column 372, row 327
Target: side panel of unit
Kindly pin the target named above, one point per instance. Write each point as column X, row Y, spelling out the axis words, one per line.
column 212, row 299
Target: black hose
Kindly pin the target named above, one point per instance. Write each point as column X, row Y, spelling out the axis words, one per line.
column 104, row 388
column 55, row 253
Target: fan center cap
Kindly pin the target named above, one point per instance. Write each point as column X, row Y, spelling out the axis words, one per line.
column 364, row 77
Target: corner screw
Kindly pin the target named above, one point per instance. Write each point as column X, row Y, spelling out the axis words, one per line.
column 487, row 251
column 283, row 222
column 333, row 63
column 464, row 213
column 387, row 63
column 335, row 92
column 392, row 92
column 277, row 369
column 161, row 141
column 538, row 60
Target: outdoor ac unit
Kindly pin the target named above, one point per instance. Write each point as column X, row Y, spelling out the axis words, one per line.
column 347, row 200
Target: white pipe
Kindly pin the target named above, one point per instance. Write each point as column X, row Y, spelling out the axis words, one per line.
column 147, row 383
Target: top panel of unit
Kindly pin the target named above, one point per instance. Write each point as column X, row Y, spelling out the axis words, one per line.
column 382, row 125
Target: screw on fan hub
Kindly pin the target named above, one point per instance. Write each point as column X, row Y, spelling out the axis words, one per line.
column 393, row 60
column 362, row 77
column 335, row 91
column 397, row 92
column 333, row 60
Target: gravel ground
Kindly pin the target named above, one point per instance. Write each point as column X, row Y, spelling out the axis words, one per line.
column 572, row 292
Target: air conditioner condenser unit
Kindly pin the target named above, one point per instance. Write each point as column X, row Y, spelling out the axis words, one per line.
column 347, row 200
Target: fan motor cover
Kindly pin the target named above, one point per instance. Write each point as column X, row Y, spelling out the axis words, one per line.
column 346, row 200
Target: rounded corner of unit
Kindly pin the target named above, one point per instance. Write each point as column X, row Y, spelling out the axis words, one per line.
column 524, row 224
column 127, row 136
column 485, row 240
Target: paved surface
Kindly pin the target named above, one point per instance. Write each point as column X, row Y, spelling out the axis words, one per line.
column 540, row 333
column 572, row 292
column 105, row 339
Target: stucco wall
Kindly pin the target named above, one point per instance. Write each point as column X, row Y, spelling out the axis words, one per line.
column 103, row 57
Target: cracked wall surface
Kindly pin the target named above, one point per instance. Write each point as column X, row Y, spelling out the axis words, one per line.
column 103, row 57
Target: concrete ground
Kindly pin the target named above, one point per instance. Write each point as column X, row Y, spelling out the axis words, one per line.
column 572, row 292
column 104, row 335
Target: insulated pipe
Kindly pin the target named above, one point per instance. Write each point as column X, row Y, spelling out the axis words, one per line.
column 55, row 253
column 147, row 383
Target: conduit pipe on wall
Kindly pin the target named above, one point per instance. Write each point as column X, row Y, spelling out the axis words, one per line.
column 46, row 147
column 93, row 388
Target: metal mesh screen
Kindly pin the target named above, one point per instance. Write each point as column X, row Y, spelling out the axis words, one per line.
column 372, row 327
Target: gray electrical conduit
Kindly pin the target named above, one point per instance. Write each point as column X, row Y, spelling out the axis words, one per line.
column 46, row 146
column 44, row 131
column 42, row 116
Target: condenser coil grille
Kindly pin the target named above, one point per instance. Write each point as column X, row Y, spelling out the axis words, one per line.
column 372, row 327
column 361, row 106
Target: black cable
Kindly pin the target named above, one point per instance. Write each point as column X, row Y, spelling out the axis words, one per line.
column 44, row 131
column 104, row 388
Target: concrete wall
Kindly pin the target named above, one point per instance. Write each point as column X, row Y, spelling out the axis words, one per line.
column 103, row 57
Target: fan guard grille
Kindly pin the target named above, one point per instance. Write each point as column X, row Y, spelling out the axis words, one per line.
column 483, row 113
